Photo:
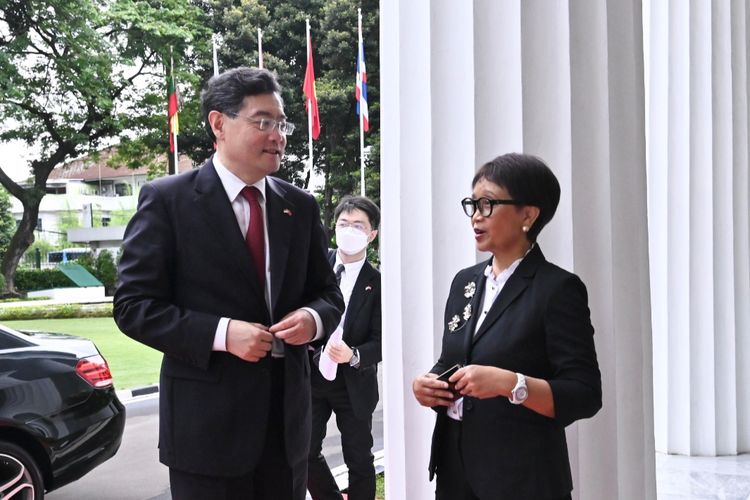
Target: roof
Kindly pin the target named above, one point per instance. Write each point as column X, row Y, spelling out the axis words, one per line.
column 88, row 169
column 78, row 274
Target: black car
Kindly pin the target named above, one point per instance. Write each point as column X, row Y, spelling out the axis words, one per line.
column 59, row 414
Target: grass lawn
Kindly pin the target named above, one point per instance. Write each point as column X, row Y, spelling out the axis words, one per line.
column 132, row 364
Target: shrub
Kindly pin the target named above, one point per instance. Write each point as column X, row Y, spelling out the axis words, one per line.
column 28, row 280
column 106, row 271
column 56, row 311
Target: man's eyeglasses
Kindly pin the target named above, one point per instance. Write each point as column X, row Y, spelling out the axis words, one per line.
column 267, row 124
column 484, row 205
column 355, row 225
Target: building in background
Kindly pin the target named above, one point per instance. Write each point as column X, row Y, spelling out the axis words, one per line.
column 88, row 204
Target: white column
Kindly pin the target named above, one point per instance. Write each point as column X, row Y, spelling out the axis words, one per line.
column 418, row 189
column 459, row 86
column 698, row 221
column 740, row 16
column 498, row 92
column 724, row 314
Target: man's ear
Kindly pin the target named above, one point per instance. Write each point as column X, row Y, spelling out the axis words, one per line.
column 372, row 236
column 216, row 120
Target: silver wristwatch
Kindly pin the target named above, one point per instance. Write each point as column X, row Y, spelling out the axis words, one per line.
column 354, row 362
column 520, row 392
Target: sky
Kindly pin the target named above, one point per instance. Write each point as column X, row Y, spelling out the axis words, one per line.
column 14, row 160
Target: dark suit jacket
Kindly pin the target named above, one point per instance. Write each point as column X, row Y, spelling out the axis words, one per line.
column 184, row 266
column 362, row 326
column 540, row 326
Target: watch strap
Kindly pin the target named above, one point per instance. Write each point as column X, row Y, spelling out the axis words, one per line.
column 354, row 362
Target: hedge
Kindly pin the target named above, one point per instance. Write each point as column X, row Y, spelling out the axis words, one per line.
column 56, row 311
column 29, row 280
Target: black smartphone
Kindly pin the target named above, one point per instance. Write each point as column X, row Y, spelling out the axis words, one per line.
column 447, row 373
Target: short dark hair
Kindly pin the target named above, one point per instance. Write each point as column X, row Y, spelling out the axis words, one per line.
column 527, row 179
column 225, row 92
column 349, row 203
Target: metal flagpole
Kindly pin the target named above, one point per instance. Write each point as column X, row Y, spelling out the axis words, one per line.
column 361, row 114
column 260, row 48
column 216, row 56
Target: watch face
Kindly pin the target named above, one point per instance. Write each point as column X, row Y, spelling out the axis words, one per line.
column 521, row 394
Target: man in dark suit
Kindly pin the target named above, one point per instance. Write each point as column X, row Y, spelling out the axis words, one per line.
column 353, row 394
column 224, row 269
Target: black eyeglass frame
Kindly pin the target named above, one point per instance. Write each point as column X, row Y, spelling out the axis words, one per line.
column 475, row 204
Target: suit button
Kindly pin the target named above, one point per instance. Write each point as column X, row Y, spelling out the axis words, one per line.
column 468, row 404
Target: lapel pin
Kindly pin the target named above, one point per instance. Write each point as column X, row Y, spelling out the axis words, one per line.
column 368, row 288
column 287, row 212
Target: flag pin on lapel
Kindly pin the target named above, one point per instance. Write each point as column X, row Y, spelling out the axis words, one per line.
column 287, row 212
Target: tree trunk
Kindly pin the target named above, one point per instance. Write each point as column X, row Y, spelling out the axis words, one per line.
column 22, row 240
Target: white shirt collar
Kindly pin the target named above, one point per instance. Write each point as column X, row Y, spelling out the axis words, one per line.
column 233, row 184
column 505, row 273
column 352, row 268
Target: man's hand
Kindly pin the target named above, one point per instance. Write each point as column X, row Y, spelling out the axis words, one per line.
column 248, row 341
column 296, row 328
column 339, row 352
column 430, row 391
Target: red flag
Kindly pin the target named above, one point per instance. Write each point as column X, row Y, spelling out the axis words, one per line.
column 308, row 88
column 174, row 127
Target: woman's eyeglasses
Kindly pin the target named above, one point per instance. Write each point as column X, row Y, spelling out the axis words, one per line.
column 484, row 205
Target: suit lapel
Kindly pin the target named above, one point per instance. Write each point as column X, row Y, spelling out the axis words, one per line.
column 212, row 200
column 515, row 285
column 280, row 215
column 358, row 294
column 476, row 309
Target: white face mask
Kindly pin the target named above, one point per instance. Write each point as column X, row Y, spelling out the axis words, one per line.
column 351, row 241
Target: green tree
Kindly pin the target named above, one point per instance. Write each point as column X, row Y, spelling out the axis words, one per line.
column 74, row 73
column 7, row 222
column 334, row 35
column 106, row 270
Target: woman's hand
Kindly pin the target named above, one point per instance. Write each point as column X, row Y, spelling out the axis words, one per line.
column 429, row 391
column 483, row 382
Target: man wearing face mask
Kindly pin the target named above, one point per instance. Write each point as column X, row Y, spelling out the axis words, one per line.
column 353, row 394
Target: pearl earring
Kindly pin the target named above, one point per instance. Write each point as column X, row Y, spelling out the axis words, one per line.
column 525, row 229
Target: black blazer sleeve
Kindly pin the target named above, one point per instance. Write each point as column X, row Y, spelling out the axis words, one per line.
column 144, row 305
column 576, row 381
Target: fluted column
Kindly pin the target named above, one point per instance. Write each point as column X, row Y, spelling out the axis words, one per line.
column 461, row 83
column 698, row 215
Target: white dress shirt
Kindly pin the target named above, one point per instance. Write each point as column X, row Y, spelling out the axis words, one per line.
column 233, row 186
column 348, row 279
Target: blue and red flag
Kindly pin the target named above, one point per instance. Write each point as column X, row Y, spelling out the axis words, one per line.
column 361, row 86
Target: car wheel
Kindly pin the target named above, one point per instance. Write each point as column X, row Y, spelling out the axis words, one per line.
column 20, row 477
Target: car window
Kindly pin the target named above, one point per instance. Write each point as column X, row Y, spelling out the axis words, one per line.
column 10, row 341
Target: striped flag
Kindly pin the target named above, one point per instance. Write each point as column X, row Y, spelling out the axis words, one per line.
column 361, row 86
column 174, row 124
column 308, row 88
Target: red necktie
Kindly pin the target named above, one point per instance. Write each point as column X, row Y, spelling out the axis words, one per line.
column 254, row 237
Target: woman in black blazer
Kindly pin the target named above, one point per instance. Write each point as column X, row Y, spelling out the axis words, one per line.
column 520, row 329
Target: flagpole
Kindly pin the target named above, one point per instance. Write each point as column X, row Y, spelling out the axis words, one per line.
column 260, row 48
column 216, row 55
column 171, row 64
column 361, row 118
column 309, row 108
